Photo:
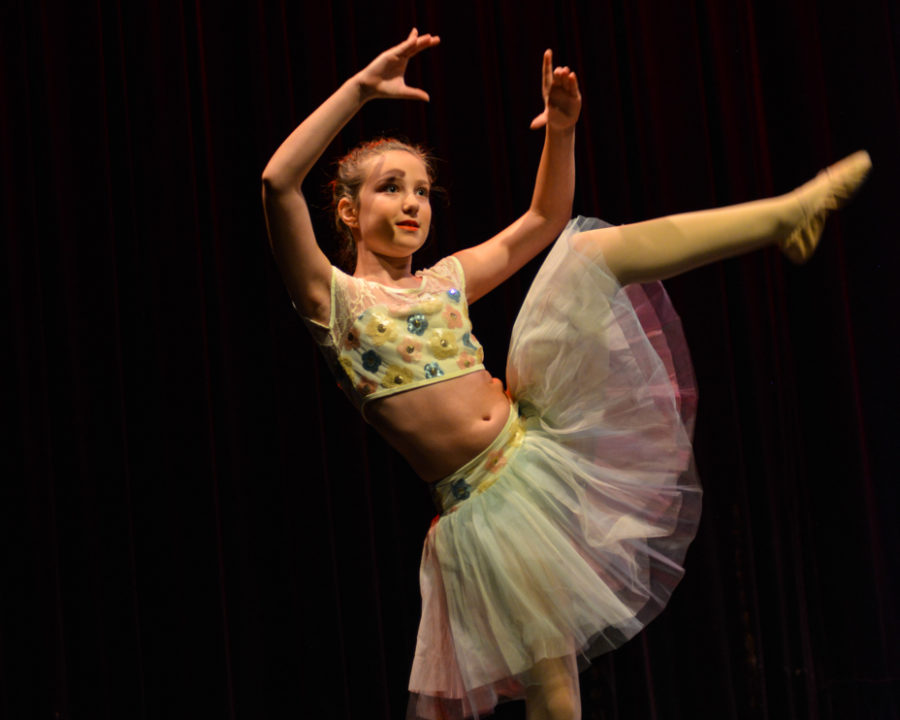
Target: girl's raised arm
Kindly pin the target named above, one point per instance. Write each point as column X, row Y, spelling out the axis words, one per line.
column 304, row 267
column 493, row 261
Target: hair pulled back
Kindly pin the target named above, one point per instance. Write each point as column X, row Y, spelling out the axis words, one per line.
column 351, row 172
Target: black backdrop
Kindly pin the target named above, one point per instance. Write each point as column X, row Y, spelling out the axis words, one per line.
column 194, row 522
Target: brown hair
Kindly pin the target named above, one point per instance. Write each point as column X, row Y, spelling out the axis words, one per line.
column 349, row 177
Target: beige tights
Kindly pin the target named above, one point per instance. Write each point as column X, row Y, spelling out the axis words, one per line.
column 554, row 694
column 658, row 249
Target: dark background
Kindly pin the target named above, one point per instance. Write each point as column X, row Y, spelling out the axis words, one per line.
column 196, row 524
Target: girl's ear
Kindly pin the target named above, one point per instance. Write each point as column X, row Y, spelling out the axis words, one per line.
column 347, row 212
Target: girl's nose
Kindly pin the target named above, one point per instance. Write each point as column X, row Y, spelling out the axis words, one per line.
column 411, row 203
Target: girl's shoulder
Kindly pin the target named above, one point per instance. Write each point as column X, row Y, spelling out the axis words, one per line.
column 448, row 269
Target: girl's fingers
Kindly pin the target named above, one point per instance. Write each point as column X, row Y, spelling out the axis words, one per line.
column 409, row 43
column 539, row 121
column 415, row 43
column 423, row 43
column 411, row 93
column 427, row 41
column 565, row 78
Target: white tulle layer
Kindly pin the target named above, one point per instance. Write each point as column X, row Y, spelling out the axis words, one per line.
column 577, row 541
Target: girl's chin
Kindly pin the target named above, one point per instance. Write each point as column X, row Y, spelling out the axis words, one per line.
column 409, row 241
column 398, row 247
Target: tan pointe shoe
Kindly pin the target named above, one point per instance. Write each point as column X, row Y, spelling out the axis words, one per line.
column 835, row 185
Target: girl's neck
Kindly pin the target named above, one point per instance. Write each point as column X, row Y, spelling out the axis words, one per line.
column 383, row 269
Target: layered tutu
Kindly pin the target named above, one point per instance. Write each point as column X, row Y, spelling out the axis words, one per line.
column 566, row 536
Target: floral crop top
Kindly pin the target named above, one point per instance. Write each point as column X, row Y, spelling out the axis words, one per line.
column 382, row 340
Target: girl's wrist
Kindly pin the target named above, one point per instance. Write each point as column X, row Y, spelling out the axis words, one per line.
column 362, row 90
column 561, row 133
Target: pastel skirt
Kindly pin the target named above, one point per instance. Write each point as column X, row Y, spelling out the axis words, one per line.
column 566, row 536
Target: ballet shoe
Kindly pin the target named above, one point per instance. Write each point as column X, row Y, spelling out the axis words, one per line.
column 841, row 182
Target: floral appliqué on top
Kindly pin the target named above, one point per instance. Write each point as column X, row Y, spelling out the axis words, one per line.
column 383, row 339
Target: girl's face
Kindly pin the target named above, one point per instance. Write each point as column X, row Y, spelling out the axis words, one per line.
column 393, row 213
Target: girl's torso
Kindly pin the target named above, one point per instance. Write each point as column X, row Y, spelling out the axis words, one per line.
column 440, row 427
column 406, row 357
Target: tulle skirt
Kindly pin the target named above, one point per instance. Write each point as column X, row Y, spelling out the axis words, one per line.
column 567, row 535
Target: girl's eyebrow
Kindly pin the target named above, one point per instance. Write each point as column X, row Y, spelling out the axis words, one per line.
column 392, row 174
column 400, row 175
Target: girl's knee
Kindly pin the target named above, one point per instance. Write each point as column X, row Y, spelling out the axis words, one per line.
column 556, row 689
column 604, row 247
column 590, row 243
column 563, row 706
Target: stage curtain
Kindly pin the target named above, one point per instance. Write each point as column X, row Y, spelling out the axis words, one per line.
column 195, row 523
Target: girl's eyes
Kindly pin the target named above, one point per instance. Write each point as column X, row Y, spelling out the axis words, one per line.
column 394, row 187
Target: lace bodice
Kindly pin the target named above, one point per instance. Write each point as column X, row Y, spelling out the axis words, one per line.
column 382, row 340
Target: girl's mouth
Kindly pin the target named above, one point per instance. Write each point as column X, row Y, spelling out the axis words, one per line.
column 408, row 225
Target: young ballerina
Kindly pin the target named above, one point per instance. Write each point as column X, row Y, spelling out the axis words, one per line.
column 567, row 501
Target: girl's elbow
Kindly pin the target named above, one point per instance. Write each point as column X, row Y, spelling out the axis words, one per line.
column 275, row 180
column 269, row 180
column 555, row 220
column 274, row 186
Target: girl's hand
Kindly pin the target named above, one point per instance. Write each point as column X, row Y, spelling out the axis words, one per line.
column 562, row 100
column 383, row 77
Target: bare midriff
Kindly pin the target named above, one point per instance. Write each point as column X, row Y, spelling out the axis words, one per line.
column 440, row 427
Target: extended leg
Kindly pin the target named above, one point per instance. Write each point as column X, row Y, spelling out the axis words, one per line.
column 554, row 693
column 661, row 248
